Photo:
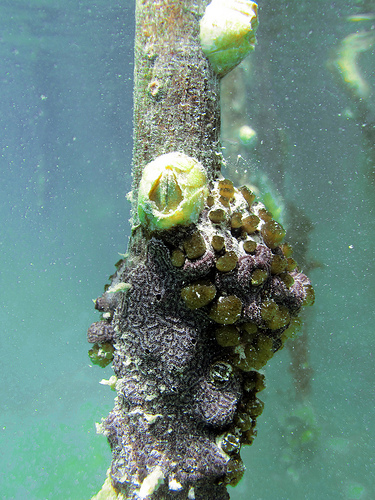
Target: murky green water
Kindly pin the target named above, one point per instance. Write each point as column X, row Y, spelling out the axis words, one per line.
column 66, row 113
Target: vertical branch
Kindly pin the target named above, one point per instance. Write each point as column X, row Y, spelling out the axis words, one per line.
column 206, row 295
column 176, row 93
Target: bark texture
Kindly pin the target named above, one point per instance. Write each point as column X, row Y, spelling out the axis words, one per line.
column 176, row 93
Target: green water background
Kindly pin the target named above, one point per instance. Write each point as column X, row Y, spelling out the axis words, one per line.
column 66, row 139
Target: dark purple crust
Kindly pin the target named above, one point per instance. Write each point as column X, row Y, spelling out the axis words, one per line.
column 100, row 332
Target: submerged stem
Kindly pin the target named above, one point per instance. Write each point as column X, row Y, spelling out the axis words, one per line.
column 176, row 93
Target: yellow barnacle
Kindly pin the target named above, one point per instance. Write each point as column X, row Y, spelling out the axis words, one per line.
column 227, row 33
column 172, row 191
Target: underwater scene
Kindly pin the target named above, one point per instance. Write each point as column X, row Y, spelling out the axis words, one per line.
column 298, row 128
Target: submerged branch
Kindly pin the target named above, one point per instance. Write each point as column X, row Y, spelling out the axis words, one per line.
column 207, row 292
column 176, row 92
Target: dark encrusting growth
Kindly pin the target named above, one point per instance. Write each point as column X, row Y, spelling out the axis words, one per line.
column 190, row 335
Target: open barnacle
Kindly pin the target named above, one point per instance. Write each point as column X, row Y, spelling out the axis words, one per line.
column 227, row 33
column 172, row 191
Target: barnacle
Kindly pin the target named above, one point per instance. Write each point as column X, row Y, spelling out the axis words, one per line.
column 227, row 33
column 220, row 373
column 172, row 191
column 230, row 443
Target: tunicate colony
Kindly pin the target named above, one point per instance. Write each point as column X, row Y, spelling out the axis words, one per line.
column 205, row 306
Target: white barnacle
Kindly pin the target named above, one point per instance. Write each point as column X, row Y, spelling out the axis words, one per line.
column 227, row 33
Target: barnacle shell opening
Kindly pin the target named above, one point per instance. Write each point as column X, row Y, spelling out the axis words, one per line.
column 227, row 33
column 172, row 191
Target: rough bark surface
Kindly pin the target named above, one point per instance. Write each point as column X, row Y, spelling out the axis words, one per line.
column 176, row 93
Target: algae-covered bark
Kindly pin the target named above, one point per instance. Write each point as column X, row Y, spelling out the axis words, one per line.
column 207, row 292
column 176, row 93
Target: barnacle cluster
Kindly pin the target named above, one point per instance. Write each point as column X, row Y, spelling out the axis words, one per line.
column 192, row 319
